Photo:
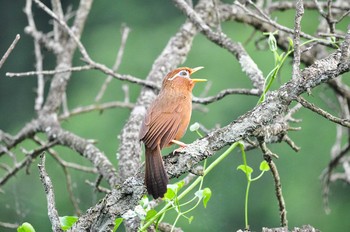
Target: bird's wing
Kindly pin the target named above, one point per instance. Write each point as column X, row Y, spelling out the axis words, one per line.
column 144, row 126
column 160, row 127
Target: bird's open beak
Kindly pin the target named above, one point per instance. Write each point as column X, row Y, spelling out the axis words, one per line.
column 193, row 70
column 199, row 80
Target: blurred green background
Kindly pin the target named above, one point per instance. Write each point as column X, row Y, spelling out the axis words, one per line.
column 23, row 197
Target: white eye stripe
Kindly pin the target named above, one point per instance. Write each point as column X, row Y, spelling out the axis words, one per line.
column 182, row 73
column 172, row 78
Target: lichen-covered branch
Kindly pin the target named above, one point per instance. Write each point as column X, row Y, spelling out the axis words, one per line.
column 50, row 196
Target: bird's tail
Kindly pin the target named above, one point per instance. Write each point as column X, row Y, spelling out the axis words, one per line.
column 156, row 178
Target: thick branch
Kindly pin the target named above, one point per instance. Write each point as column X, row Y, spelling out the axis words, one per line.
column 296, row 38
column 86, row 149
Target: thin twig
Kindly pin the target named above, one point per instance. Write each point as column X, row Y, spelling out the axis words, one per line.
column 98, row 66
column 319, row 8
column 125, row 89
column 61, row 162
column 342, row 16
column 66, row 164
column 57, row 9
column 67, row 29
column 281, row 27
column 68, row 184
column 327, row 174
column 345, row 48
column 118, row 60
column 24, row 162
column 312, row 107
column 225, row 92
column 65, row 108
column 9, row 225
column 278, row 186
column 329, row 17
column 86, row 56
column 258, row 9
column 338, row 36
column 9, row 50
column 247, row 63
column 289, row 116
column 96, row 107
column 291, row 143
column 49, row 72
column 98, row 188
column 310, row 5
column 217, row 15
column 79, row 167
column 123, row 77
column 38, row 58
column 50, row 196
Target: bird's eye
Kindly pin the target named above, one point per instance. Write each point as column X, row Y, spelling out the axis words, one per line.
column 183, row 73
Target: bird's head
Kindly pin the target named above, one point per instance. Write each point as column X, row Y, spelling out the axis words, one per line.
column 181, row 78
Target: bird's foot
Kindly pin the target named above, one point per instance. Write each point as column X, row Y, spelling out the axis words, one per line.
column 181, row 144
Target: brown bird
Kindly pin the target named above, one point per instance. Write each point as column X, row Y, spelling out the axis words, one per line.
column 165, row 123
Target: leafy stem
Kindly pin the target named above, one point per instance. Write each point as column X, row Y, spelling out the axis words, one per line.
column 248, row 171
column 279, row 60
column 197, row 181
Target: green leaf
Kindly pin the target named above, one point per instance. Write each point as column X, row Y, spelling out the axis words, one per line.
column 180, row 184
column 194, row 127
column 190, row 219
column 67, row 221
column 246, row 169
column 173, row 189
column 290, row 46
column 150, row 214
column 207, row 196
column 204, row 194
column 272, row 42
column 171, row 192
column 264, row 166
column 25, row 227
column 278, row 58
column 117, row 223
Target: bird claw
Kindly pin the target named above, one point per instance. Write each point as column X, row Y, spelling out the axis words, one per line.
column 181, row 144
column 177, row 150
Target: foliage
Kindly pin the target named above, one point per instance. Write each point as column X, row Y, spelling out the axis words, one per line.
column 25, row 227
column 67, row 221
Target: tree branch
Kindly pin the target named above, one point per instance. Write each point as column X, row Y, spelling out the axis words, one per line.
column 268, row 155
column 9, row 50
column 219, row 38
column 50, row 196
column 296, row 38
column 312, row 107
